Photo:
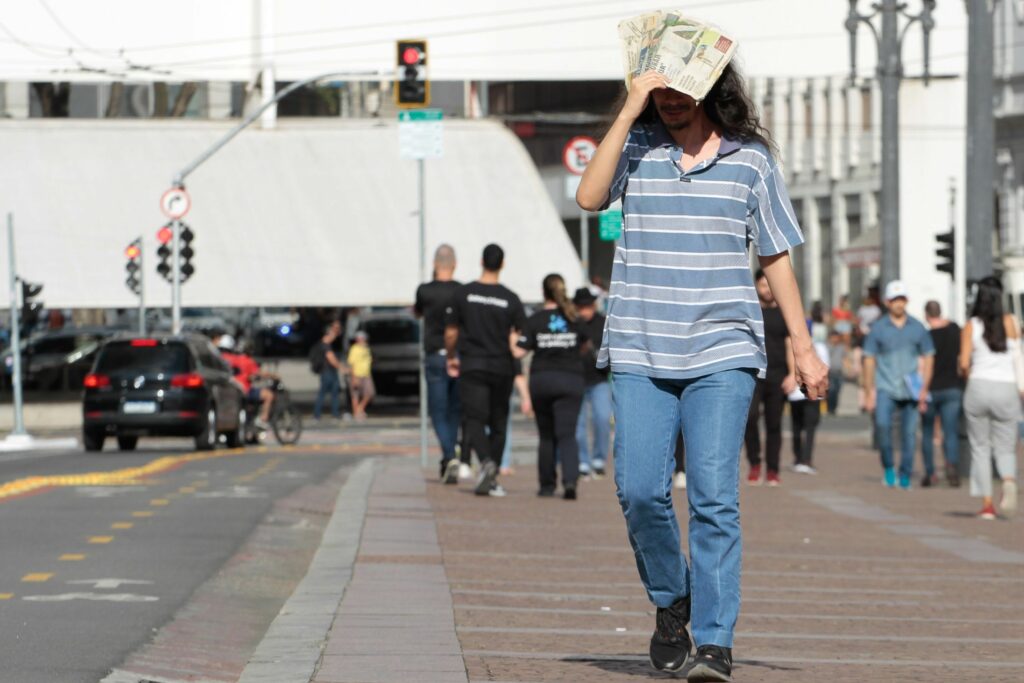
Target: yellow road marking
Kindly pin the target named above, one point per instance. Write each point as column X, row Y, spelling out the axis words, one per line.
column 136, row 475
column 72, row 557
column 159, row 501
column 121, row 525
column 37, row 577
column 142, row 513
column 100, row 540
column 6, row 596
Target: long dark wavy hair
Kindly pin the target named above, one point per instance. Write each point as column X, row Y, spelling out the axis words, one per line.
column 988, row 307
column 727, row 105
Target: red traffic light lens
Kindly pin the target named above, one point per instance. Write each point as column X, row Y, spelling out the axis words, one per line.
column 132, row 252
column 164, row 234
column 410, row 56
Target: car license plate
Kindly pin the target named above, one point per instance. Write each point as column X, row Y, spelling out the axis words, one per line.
column 139, row 407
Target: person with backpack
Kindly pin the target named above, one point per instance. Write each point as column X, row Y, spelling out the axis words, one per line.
column 324, row 362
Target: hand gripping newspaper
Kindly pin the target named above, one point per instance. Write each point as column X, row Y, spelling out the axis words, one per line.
column 691, row 54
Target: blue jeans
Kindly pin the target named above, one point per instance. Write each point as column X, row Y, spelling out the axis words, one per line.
column 443, row 404
column 885, row 407
column 713, row 413
column 329, row 384
column 945, row 403
column 597, row 400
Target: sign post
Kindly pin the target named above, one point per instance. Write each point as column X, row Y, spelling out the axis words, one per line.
column 421, row 136
column 575, row 156
column 175, row 203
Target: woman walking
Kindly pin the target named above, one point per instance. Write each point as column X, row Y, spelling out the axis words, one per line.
column 992, row 404
column 556, row 384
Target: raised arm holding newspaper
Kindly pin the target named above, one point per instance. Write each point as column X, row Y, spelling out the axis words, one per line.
column 684, row 335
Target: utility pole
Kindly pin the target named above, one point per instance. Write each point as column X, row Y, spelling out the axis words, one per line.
column 18, row 432
column 981, row 140
column 889, row 41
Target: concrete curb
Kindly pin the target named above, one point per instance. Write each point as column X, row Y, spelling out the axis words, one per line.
column 293, row 645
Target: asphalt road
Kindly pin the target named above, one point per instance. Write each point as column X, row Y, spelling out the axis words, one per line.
column 92, row 565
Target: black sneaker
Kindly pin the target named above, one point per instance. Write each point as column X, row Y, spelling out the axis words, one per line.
column 711, row 664
column 488, row 473
column 546, row 493
column 670, row 644
column 569, row 493
column 450, row 472
column 599, row 471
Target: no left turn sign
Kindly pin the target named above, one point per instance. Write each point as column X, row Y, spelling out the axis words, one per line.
column 175, row 203
column 578, row 153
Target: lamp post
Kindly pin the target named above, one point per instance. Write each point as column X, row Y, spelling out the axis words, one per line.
column 889, row 41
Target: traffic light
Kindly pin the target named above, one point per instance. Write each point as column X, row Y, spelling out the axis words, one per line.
column 30, row 310
column 946, row 252
column 412, row 89
column 133, row 252
column 186, row 253
column 163, row 252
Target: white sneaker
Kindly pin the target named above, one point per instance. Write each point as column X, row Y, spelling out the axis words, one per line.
column 679, row 480
column 804, row 469
column 1008, row 504
column 497, row 492
column 465, row 471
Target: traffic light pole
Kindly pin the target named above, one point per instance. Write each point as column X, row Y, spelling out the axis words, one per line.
column 175, row 277
column 179, row 178
column 142, row 291
column 423, row 340
column 19, row 415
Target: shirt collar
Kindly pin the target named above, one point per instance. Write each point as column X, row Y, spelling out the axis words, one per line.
column 660, row 137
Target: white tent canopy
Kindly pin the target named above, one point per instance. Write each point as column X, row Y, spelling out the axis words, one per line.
column 313, row 213
column 231, row 40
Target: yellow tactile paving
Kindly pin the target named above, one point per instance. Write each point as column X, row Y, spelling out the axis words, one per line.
column 6, row 596
column 121, row 525
column 37, row 577
column 187, row 489
column 159, row 502
column 100, row 540
column 142, row 513
column 72, row 557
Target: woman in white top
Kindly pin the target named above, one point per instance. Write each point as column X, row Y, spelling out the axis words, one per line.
column 991, row 402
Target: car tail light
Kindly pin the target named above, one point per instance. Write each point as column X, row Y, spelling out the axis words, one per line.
column 144, row 342
column 93, row 381
column 192, row 380
column 187, row 413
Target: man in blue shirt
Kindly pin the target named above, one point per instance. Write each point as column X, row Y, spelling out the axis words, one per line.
column 898, row 361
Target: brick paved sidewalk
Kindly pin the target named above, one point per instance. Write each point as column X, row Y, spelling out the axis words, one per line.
column 842, row 581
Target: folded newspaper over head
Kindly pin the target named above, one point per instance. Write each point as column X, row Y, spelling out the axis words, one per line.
column 688, row 52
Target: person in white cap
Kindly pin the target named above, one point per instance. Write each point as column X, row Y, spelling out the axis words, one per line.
column 898, row 360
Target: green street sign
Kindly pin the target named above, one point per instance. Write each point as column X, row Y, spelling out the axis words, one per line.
column 609, row 224
column 420, row 115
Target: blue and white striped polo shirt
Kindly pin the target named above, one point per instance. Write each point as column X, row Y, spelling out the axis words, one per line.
column 682, row 302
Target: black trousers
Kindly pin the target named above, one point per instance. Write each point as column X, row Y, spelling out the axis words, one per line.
column 556, row 398
column 767, row 393
column 485, row 398
column 806, row 416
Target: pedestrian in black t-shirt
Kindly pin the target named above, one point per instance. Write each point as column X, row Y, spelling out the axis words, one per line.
column 556, row 384
column 481, row 328
column 947, row 389
column 770, row 391
column 432, row 300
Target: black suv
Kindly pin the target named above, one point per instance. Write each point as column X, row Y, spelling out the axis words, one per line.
column 163, row 385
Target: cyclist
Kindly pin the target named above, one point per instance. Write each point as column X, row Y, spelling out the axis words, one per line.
column 247, row 370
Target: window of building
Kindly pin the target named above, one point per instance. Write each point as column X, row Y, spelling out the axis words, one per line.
column 866, row 109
